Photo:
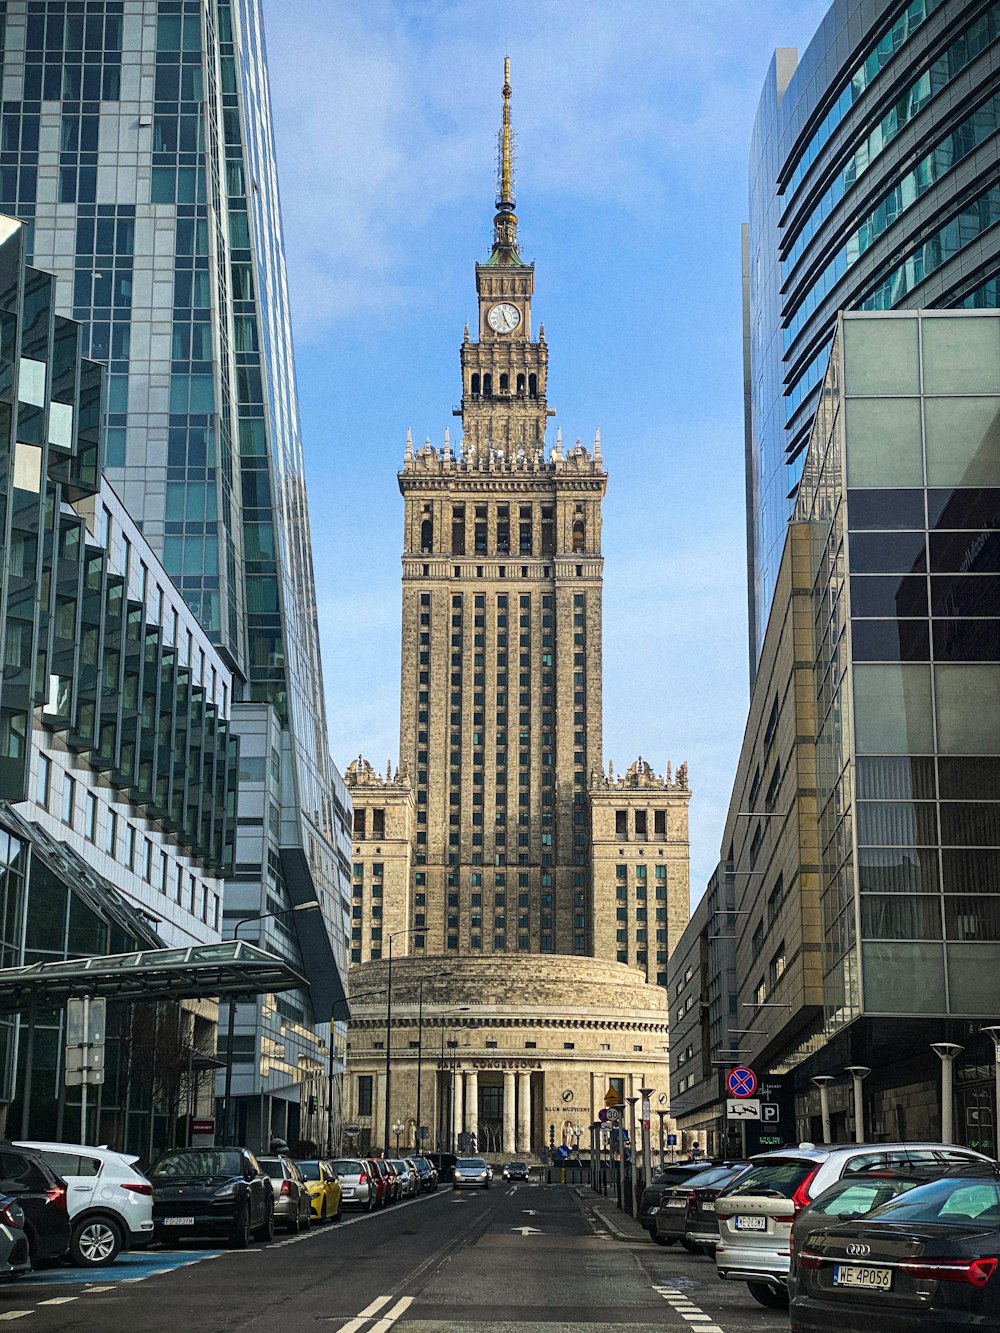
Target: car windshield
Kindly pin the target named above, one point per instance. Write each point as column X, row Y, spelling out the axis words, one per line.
column 400, row 1166
column 205, row 1164
column 517, row 1166
column 470, row 1164
column 347, row 1168
column 778, row 1178
column 713, row 1177
column 859, row 1196
column 954, row 1201
column 310, row 1170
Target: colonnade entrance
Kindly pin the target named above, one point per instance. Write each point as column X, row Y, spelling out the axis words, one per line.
column 493, row 1109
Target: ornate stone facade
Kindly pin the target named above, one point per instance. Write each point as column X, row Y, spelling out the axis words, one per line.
column 514, row 849
column 513, row 1054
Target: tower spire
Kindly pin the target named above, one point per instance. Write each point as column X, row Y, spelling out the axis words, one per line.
column 505, row 221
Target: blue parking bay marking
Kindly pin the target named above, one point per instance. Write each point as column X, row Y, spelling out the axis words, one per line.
column 130, row 1267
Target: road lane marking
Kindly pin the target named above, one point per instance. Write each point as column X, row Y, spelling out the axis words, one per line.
column 15, row 1314
column 58, row 1300
column 686, row 1308
column 375, row 1306
column 384, row 1324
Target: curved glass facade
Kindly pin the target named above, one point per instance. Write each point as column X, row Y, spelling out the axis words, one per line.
column 873, row 185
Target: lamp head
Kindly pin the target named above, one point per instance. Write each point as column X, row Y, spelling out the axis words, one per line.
column 857, row 1071
column 993, row 1031
column 947, row 1050
column 821, row 1080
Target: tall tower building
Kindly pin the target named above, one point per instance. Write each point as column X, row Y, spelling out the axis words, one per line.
column 500, row 719
column 139, row 151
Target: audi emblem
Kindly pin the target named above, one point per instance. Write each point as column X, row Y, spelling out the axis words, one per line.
column 859, row 1251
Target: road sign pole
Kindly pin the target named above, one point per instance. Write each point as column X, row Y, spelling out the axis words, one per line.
column 83, row 1077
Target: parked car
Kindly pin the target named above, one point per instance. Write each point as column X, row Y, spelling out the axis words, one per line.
column 409, row 1183
column 756, row 1215
column 848, row 1198
column 292, row 1201
column 212, row 1192
column 109, row 1201
column 687, row 1211
column 926, row 1260
column 15, row 1258
column 444, row 1162
column 675, row 1174
column 516, row 1171
column 390, row 1179
column 42, row 1194
column 427, row 1173
column 470, row 1172
column 357, row 1188
column 381, row 1182
column 325, row 1193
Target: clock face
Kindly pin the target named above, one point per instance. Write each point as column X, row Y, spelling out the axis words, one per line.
column 503, row 318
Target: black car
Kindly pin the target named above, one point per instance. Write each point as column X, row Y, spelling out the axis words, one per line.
column 426, row 1173
column 516, row 1171
column 212, row 1192
column 27, row 1177
column 925, row 1262
column 675, row 1174
column 686, row 1211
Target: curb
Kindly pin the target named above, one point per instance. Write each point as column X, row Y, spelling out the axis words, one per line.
column 619, row 1234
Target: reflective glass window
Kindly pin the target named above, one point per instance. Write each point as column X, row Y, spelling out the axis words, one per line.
column 903, row 978
column 961, row 355
column 887, row 552
column 881, row 509
column 890, row 641
column 892, row 709
column 889, row 595
column 963, row 441
column 964, row 725
column 882, row 442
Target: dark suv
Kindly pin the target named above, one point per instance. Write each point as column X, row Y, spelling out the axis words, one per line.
column 445, row 1164
column 212, row 1192
column 27, row 1177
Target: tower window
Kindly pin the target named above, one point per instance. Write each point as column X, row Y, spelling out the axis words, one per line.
column 427, row 535
column 504, row 383
column 458, row 530
column 475, row 385
column 487, row 385
column 532, row 386
column 520, row 384
column 578, row 535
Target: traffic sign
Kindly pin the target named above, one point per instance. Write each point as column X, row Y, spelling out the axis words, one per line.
column 611, row 1098
column 744, row 1108
column 614, row 1115
column 741, row 1082
column 671, row 1140
column 770, row 1113
column 562, row 1153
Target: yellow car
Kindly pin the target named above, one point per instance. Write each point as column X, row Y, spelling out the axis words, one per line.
column 324, row 1189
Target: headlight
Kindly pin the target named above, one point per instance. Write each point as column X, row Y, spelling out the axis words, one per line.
column 458, row 1175
column 227, row 1191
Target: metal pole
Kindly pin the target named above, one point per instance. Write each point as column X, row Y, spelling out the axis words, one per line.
column 947, row 1051
column 388, row 1052
column 858, row 1073
column 647, row 1137
column 663, row 1141
column 330, row 1089
column 993, row 1033
column 85, row 1072
column 621, row 1159
column 822, row 1081
column 29, row 1062
column 227, row 1097
column 420, row 1058
column 633, row 1158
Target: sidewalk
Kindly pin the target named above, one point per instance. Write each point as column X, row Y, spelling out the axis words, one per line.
column 621, row 1225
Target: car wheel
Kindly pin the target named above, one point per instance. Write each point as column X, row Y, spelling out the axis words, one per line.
column 765, row 1295
column 241, row 1236
column 95, row 1241
column 295, row 1226
column 265, row 1231
column 691, row 1246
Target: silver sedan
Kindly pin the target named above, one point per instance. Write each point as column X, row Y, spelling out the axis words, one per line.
column 471, row 1172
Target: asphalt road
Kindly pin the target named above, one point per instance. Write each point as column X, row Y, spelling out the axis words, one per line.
column 510, row 1258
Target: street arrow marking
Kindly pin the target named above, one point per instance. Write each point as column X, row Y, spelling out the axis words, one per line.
column 526, row 1231
column 529, row 1211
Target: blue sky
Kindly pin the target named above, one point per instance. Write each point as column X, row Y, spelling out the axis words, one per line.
column 633, row 121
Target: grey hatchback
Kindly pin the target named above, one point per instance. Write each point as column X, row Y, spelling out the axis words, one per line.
column 358, row 1190
column 292, row 1204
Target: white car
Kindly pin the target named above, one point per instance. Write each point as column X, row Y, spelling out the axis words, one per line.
column 110, row 1202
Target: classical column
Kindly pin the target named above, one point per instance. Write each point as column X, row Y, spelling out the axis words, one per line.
column 524, row 1112
column 456, row 1108
column 378, row 1110
column 472, row 1104
column 509, row 1142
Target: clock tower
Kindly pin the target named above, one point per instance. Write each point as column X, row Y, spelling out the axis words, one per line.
column 504, row 371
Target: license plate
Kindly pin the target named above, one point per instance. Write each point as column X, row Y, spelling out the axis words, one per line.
column 348, row 1189
column 178, row 1221
column 675, row 1203
column 708, row 1207
column 870, row 1279
column 750, row 1223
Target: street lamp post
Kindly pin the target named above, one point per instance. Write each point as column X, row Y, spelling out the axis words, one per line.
column 633, row 1174
column 663, row 1138
column 397, row 1129
column 822, row 1082
column 227, row 1099
column 947, row 1051
column 647, row 1146
column 858, row 1073
column 994, row 1032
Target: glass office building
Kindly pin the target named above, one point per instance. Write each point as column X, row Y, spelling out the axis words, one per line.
column 136, row 145
column 874, row 185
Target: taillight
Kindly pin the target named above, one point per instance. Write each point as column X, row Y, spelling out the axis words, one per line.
column 722, row 1216
column 977, row 1272
column 138, row 1187
column 800, row 1199
column 57, row 1195
column 807, row 1259
column 12, row 1219
column 286, row 1188
column 363, row 1178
